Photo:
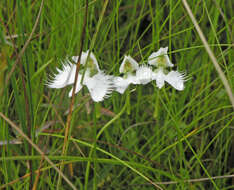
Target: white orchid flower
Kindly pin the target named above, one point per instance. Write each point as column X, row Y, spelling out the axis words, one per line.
column 98, row 83
column 128, row 67
column 133, row 74
column 161, row 61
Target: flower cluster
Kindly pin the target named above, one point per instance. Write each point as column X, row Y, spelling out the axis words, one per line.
column 100, row 85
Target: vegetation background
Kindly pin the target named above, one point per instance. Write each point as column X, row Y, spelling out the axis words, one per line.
column 144, row 139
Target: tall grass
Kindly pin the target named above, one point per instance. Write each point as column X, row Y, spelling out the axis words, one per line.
column 147, row 138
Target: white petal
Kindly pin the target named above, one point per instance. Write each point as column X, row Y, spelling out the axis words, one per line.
column 132, row 79
column 64, row 77
column 133, row 64
column 78, row 85
column 84, row 57
column 163, row 51
column 159, row 76
column 144, row 74
column 176, row 79
column 93, row 58
column 155, row 58
column 152, row 58
column 100, row 86
column 120, row 84
column 75, row 58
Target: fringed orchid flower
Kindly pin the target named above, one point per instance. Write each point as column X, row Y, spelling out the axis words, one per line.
column 128, row 67
column 161, row 61
column 133, row 74
column 98, row 83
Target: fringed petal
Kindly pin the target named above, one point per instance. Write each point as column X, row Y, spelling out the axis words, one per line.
column 64, row 77
column 176, row 79
column 144, row 74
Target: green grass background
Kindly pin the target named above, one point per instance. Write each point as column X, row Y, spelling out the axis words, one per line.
column 127, row 140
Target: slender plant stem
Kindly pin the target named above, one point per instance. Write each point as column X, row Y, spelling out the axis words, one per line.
column 18, row 58
column 26, row 98
column 91, row 47
column 69, row 117
column 14, row 126
column 210, row 53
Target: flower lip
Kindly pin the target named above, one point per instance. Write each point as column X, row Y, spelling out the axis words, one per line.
column 100, row 86
column 128, row 65
column 159, row 77
column 160, row 58
column 176, row 79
